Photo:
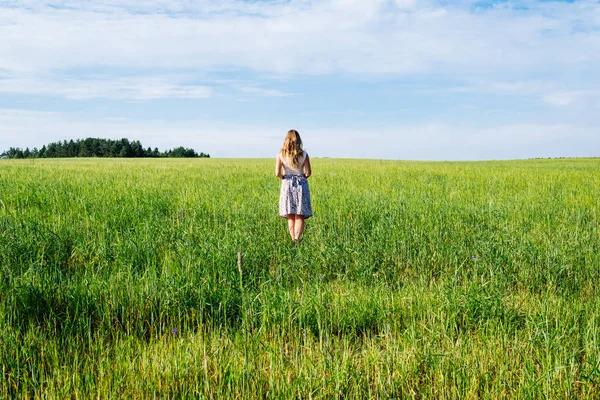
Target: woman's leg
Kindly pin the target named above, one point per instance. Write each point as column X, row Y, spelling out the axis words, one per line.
column 292, row 225
column 298, row 226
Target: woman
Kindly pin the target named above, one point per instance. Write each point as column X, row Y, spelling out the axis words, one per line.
column 292, row 166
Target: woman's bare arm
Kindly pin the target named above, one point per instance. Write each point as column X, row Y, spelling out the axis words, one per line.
column 307, row 168
column 278, row 166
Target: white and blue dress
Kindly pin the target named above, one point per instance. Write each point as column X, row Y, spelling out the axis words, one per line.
column 294, row 197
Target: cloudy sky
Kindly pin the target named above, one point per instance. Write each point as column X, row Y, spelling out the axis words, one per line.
column 397, row 79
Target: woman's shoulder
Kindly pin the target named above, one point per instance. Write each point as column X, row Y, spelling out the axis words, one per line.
column 281, row 157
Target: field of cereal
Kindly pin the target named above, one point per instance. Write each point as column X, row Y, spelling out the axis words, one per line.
column 119, row 278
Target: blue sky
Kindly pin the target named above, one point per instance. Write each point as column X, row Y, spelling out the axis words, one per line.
column 397, row 79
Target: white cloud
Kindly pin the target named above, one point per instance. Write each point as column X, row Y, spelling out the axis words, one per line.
column 429, row 141
column 300, row 37
column 260, row 91
column 560, row 98
column 406, row 4
column 549, row 92
column 134, row 88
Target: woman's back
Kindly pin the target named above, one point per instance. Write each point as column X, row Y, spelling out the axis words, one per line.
column 289, row 169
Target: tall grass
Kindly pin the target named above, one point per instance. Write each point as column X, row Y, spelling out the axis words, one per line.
column 118, row 278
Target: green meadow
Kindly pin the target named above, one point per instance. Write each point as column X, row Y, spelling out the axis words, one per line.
column 119, row 278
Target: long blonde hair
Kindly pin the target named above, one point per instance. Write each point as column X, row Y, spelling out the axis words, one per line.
column 292, row 148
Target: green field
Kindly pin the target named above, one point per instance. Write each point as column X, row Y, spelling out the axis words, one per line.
column 119, row 278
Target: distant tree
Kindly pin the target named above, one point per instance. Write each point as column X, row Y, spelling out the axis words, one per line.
column 103, row 148
column 50, row 151
column 136, row 149
column 95, row 147
column 125, row 148
column 83, row 150
column 72, row 149
column 14, row 152
column 182, row 152
column 63, row 149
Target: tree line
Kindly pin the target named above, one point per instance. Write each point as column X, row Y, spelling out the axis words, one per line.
column 93, row 147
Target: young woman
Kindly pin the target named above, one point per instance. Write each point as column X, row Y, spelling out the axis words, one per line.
column 292, row 166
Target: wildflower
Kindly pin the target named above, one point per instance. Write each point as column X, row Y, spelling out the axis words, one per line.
column 474, row 257
column 174, row 330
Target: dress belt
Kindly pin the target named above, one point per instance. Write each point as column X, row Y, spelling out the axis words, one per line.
column 295, row 178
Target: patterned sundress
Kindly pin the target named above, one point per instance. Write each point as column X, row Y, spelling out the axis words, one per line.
column 294, row 197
